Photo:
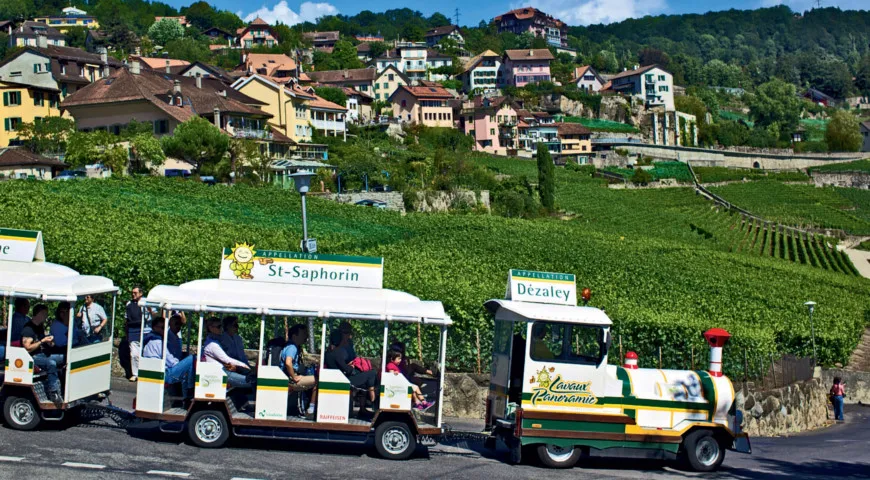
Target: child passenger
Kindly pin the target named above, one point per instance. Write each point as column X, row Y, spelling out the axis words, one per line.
column 394, row 359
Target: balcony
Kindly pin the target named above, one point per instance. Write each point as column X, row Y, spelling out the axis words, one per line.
column 250, row 133
column 329, row 125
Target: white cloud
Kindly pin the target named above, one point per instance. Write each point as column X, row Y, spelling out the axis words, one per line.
column 587, row 12
column 281, row 12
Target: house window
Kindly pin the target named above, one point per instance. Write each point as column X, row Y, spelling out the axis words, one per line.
column 12, row 124
column 492, row 131
column 161, row 127
column 11, row 98
column 377, row 96
column 390, row 77
column 38, row 99
column 662, row 78
column 404, row 103
column 663, row 88
column 363, row 88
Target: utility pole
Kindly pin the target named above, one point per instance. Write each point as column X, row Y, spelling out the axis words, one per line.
column 456, row 16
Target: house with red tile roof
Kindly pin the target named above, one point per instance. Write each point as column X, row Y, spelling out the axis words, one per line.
column 435, row 35
column 493, row 123
column 587, row 79
column 275, row 65
column 423, row 105
column 538, row 23
column 258, row 33
column 522, row 67
column 323, row 41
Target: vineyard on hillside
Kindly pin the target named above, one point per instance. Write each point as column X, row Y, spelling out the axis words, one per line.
column 660, row 281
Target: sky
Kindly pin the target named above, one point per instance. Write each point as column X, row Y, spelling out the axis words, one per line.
column 573, row 12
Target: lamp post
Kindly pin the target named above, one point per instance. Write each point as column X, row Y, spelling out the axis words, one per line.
column 811, row 306
column 302, row 182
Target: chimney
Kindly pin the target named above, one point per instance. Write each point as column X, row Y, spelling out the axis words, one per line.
column 198, row 81
column 223, row 93
column 41, row 41
column 531, row 53
column 167, row 65
column 176, row 87
column 104, row 61
column 636, row 67
column 345, row 74
column 135, row 68
column 716, row 338
column 217, row 117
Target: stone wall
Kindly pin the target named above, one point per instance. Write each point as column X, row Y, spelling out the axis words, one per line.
column 842, row 179
column 393, row 199
column 795, row 408
column 857, row 385
column 443, row 201
column 723, row 158
column 465, row 394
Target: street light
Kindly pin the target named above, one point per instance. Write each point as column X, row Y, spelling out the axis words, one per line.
column 302, row 182
column 811, row 305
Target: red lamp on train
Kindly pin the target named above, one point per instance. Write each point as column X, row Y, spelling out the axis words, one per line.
column 716, row 338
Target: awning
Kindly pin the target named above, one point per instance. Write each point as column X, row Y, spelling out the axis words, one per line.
column 244, row 297
column 49, row 282
column 510, row 311
column 294, row 164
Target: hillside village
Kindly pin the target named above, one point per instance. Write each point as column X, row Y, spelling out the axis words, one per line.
column 287, row 103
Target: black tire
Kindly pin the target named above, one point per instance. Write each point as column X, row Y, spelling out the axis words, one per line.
column 208, row 429
column 702, row 451
column 553, row 456
column 21, row 413
column 395, row 440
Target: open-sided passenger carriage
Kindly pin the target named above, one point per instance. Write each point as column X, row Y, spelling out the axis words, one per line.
column 87, row 370
column 306, row 286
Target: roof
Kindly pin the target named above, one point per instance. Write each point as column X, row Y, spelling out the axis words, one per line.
column 155, row 87
column 219, row 30
column 866, row 125
column 271, row 62
column 511, row 311
column 33, row 29
column 287, row 163
column 471, row 63
column 439, row 31
column 529, row 12
column 363, row 47
column 485, row 102
column 529, row 54
column 49, row 281
column 258, row 21
column 580, row 71
column 240, row 296
column 637, row 71
column 572, row 129
column 22, row 157
column 354, row 92
column 344, row 76
column 71, row 54
column 425, row 92
column 432, row 53
column 322, row 36
column 215, row 71
column 157, row 63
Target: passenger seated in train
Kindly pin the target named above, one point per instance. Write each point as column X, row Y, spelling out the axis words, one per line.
column 337, row 358
column 394, row 359
column 177, row 370
column 301, row 377
column 60, row 330
column 39, row 346
column 173, row 341
column 19, row 318
column 238, row 373
column 540, row 350
column 408, row 369
column 231, row 341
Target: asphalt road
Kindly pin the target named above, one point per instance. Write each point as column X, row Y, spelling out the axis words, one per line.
column 100, row 450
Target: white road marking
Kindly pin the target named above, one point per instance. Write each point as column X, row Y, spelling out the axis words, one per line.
column 83, row 465
column 167, row 474
column 243, row 478
column 11, row 459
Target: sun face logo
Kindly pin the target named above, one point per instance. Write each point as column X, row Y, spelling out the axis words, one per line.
column 242, row 258
column 543, row 377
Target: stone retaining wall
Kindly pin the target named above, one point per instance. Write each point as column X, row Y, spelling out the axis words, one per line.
column 795, row 408
column 842, row 179
column 857, row 384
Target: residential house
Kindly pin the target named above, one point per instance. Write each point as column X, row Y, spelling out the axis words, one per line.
column 364, row 52
column 7, row 26
column 865, row 134
column 258, row 33
column 199, row 69
column 361, row 79
column 414, row 60
column 69, row 17
column 817, row 96
column 652, row 83
column 493, row 123
column 435, row 35
column 369, row 38
column 32, row 33
column 423, row 105
column 217, row 34
column 387, row 81
column 181, row 19
column 323, row 41
column 522, row 67
column 482, row 73
column 35, row 80
column 538, row 23
column 575, row 143
column 858, row 102
column 278, row 66
column 537, row 127
column 586, row 78
column 163, row 64
column 435, row 60
column 327, row 117
column 19, row 162
column 359, row 105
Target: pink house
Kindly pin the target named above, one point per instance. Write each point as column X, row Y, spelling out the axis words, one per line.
column 522, row 67
column 258, row 33
column 493, row 124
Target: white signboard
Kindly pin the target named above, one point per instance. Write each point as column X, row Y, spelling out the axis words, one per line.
column 541, row 287
column 21, row 245
column 244, row 262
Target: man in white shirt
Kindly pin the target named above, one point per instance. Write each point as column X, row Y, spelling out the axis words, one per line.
column 93, row 319
column 212, row 352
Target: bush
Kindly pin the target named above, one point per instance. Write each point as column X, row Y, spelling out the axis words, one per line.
column 641, row 177
column 811, row 147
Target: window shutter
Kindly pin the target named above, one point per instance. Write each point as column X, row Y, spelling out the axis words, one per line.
column 6, row 124
column 5, row 99
column 35, row 66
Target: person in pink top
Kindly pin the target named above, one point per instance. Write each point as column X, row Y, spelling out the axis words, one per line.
column 394, row 360
column 838, row 393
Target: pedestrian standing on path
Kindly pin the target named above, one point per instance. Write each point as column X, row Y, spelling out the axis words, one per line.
column 838, row 392
column 134, row 314
column 93, row 318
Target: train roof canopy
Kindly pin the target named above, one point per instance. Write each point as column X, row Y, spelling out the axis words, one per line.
column 511, row 311
column 49, row 281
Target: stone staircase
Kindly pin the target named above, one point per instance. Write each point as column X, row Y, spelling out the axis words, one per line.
column 860, row 359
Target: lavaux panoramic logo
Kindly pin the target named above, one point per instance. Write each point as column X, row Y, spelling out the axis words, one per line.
column 556, row 390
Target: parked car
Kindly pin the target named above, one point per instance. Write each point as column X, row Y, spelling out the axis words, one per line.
column 382, row 188
column 176, row 172
column 372, row 203
column 71, row 175
column 208, row 180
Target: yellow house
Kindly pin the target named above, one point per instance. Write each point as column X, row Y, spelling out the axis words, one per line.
column 387, row 82
column 70, row 17
column 575, row 142
column 24, row 104
column 427, row 106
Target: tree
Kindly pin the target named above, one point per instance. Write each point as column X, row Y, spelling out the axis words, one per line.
column 76, row 36
column 99, row 146
column 200, row 15
column 242, row 151
column 146, row 152
column 333, row 94
column 438, row 19
column 165, row 30
column 376, row 49
column 546, row 178
column 843, row 134
column 15, row 9
column 775, row 102
column 862, row 76
column 48, row 135
column 653, row 56
column 188, row 49
column 198, row 142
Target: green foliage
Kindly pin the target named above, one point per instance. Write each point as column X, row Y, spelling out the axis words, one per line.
column 546, row 177
column 99, row 146
column 856, row 166
column 843, row 133
column 165, row 30
column 15, row 9
column 601, row 125
column 188, row 49
column 76, row 37
column 333, row 94
column 452, row 84
column 48, row 136
column 199, row 142
column 343, row 56
column 146, row 153
column 776, row 104
column 641, row 177
column 202, row 16
column 724, row 174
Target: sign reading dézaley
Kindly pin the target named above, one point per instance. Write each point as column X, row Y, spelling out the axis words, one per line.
column 21, row 245
column 542, row 287
column 244, row 262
